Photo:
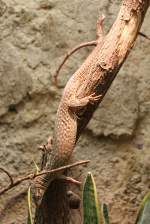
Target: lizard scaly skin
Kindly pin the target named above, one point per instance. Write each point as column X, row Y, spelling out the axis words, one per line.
column 70, row 107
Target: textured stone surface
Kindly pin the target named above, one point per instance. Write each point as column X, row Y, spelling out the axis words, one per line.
column 34, row 36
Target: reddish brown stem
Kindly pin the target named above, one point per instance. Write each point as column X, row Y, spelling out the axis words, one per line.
column 31, row 176
column 90, row 43
column 70, row 180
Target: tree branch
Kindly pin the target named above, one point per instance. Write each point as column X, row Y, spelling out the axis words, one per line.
column 144, row 35
column 90, row 43
column 8, row 174
column 105, row 62
column 31, row 176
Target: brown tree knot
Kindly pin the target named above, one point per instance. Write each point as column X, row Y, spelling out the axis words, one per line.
column 103, row 65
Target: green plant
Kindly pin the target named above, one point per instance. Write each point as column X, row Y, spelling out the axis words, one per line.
column 29, row 221
column 95, row 213
column 143, row 216
column 92, row 211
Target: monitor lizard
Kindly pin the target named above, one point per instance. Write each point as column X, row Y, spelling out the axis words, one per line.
column 69, row 112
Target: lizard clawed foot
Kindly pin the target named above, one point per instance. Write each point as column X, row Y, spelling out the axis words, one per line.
column 93, row 98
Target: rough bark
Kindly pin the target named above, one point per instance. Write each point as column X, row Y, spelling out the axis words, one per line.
column 116, row 46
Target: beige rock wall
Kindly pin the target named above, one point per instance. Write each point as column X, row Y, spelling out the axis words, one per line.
column 34, row 36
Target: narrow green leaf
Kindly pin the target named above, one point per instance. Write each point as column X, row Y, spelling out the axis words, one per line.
column 91, row 208
column 36, row 167
column 105, row 213
column 30, row 221
column 144, row 211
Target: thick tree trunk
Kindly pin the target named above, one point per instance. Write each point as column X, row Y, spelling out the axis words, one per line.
column 54, row 208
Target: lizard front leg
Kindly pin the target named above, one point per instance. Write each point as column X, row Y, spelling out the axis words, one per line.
column 75, row 102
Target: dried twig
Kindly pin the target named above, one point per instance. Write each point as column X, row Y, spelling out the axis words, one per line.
column 31, row 176
column 70, row 180
column 90, row 43
column 8, row 174
column 144, row 35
